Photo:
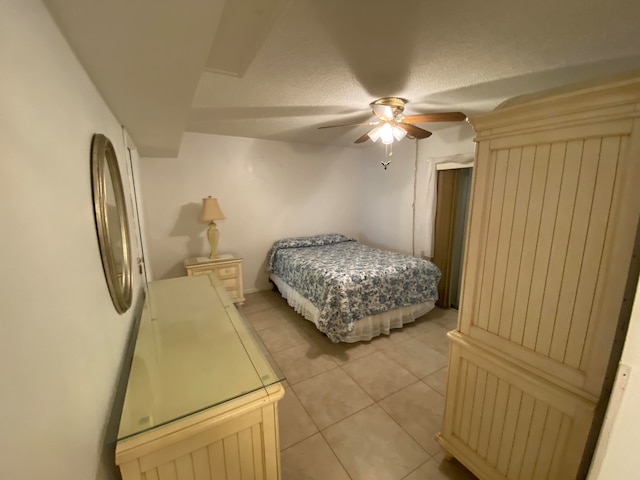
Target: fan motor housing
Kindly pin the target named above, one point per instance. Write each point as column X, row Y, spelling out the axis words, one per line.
column 396, row 103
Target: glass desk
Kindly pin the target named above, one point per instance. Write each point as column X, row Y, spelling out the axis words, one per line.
column 197, row 366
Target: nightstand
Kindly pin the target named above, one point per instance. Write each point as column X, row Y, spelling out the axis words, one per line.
column 227, row 266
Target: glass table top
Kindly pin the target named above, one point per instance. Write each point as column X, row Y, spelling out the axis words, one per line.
column 194, row 350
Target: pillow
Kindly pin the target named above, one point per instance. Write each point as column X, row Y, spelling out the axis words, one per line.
column 309, row 241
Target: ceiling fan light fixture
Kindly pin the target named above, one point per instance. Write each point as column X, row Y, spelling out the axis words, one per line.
column 374, row 133
column 398, row 132
column 386, row 133
column 392, row 125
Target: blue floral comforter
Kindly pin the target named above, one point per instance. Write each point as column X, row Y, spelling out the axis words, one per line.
column 347, row 280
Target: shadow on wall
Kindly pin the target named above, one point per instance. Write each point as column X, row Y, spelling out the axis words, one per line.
column 377, row 78
column 107, row 469
column 189, row 226
column 508, row 88
column 367, row 241
column 261, row 280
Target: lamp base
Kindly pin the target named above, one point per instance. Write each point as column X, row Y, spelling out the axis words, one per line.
column 214, row 236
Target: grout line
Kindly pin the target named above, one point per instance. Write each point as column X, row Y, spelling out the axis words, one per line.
column 418, row 467
column 311, row 343
column 335, row 455
column 312, row 376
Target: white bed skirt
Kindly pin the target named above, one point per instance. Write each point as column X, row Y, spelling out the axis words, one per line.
column 364, row 329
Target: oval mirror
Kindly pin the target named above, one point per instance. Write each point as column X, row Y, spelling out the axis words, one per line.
column 111, row 221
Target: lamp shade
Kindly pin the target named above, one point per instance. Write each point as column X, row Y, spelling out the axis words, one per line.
column 211, row 210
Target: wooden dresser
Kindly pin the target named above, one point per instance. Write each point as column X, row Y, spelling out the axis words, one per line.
column 201, row 400
column 227, row 266
column 554, row 211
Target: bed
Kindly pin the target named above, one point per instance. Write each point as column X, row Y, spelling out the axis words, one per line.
column 351, row 291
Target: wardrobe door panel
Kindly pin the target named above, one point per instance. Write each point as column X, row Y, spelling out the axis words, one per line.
column 512, row 424
column 541, row 260
column 553, row 216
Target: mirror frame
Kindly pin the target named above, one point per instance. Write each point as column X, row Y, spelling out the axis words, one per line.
column 105, row 162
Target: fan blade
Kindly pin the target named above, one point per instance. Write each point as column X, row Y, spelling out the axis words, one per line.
column 414, row 131
column 384, row 112
column 435, row 117
column 363, row 138
column 348, row 125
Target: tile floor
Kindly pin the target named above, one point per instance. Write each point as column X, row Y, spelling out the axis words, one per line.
column 364, row 411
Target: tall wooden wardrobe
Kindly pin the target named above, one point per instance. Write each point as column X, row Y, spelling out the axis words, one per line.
column 554, row 210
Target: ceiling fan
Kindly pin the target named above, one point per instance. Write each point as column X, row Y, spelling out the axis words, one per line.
column 393, row 125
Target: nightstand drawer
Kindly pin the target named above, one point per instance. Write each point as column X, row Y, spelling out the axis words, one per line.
column 234, row 295
column 230, row 283
column 199, row 271
column 227, row 272
column 227, row 267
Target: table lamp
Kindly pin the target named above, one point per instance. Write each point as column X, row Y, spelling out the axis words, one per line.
column 210, row 213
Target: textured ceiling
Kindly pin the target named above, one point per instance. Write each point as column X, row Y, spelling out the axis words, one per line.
column 292, row 66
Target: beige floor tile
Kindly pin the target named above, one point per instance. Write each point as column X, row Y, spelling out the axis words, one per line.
column 396, row 335
column 330, row 397
column 436, row 339
column 255, row 302
column 342, row 352
column 421, row 326
column 274, row 297
column 311, row 459
column 281, row 337
column 446, row 318
column 417, row 357
column 378, row 375
column 306, row 327
column 291, row 314
column 371, row 445
column 295, row 422
column 302, row 362
column 439, row 469
column 263, row 319
column 418, row 409
column 437, row 381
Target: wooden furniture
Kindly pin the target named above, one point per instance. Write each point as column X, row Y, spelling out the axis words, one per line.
column 201, row 400
column 554, row 212
column 227, row 266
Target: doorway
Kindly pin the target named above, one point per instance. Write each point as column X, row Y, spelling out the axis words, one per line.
column 452, row 208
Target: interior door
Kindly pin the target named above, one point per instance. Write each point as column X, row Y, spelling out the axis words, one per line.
column 453, row 191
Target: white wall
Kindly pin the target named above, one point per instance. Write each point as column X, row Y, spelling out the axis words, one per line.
column 270, row 190
column 61, row 340
column 388, row 195
column 618, row 457
column 386, row 214
column 267, row 190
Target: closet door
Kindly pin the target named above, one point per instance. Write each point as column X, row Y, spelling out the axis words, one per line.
column 449, row 232
column 555, row 207
column 444, row 232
